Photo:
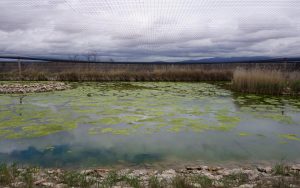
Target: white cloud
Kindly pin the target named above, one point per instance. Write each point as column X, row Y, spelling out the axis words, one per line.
column 151, row 29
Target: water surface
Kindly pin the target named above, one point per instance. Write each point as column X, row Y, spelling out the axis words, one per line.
column 136, row 123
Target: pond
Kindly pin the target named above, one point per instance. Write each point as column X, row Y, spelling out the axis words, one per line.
column 110, row 124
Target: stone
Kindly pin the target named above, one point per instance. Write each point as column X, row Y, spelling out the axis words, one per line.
column 227, row 172
column 269, row 182
column 217, row 177
column 197, row 185
column 211, row 176
column 171, row 171
column 247, row 186
column 138, row 173
column 296, row 167
column 61, row 185
column 213, row 169
column 18, row 184
column 102, row 171
column 124, row 172
column 51, row 171
column 218, row 184
column 39, row 182
column 168, row 174
column 190, row 168
column 48, row 184
column 87, row 172
column 267, row 170
column 252, row 174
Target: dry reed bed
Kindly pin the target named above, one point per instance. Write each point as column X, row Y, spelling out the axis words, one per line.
column 263, row 81
column 124, row 75
column 252, row 80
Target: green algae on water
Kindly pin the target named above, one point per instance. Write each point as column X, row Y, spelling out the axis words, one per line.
column 242, row 134
column 142, row 108
column 290, row 137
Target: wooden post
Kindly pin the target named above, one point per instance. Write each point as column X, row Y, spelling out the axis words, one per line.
column 20, row 68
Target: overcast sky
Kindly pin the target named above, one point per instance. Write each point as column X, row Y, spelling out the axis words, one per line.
column 151, row 30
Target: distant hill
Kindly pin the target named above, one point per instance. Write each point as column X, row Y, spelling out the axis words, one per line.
column 257, row 59
column 229, row 59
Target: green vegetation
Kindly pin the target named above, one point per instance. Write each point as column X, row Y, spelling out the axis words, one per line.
column 280, row 169
column 155, row 183
column 113, row 179
column 290, row 137
column 181, row 182
column 7, row 174
column 202, row 180
column 10, row 174
column 243, row 134
column 75, row 179
column 27, row 177
column 235, row 179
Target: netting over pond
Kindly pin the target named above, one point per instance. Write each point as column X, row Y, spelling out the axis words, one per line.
column 150, row 30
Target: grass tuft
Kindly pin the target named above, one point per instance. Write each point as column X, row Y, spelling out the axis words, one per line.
column 235, row 179
column 155, row 183
column 204, row 181
column 75, row 179
column 8, row 174
column 280, row 169
column 181, row 182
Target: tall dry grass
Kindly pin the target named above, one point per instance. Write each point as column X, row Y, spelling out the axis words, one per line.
column 264, row 81
column 145, row 75
column 294, row 81
column 162, row 74
column 275, row 79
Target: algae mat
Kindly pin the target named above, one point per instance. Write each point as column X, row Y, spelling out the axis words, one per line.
column 137, row 123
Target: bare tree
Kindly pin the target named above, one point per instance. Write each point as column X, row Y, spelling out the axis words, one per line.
column 91, row 56
column 74, row 58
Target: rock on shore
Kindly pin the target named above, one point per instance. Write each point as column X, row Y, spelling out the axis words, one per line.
column 12, row 88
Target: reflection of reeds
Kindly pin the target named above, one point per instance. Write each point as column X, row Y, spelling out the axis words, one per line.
column 263, row 81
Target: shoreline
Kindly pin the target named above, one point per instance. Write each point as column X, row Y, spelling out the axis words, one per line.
column 31, row 87
column 197, row 176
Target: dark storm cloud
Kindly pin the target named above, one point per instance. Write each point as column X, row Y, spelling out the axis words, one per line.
column 151, row 30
